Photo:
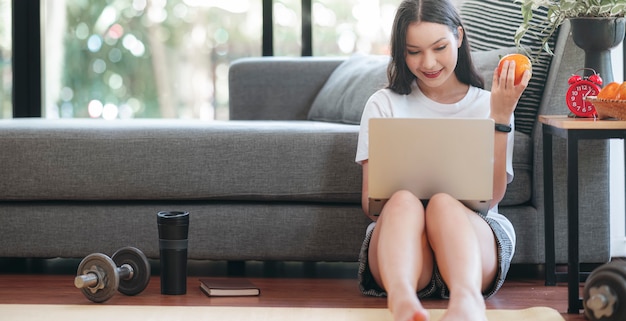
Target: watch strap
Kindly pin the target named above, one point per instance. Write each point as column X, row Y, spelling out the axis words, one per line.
column 503, row 128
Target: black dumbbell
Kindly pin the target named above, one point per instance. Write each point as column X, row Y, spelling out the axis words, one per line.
column 604, row 294
column 99, row 277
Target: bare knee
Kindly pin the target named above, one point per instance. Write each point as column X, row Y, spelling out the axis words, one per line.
column 403, row 209
column 442, row 209
column 404, row 195
column 404, row 201
column 442, row 203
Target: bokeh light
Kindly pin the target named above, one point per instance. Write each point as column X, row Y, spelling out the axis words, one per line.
column 170, row 58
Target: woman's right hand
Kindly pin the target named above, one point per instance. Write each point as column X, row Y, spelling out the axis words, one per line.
column 504, row 93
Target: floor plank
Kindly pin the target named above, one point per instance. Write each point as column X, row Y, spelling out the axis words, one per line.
column 275, row 292
column 281, row 284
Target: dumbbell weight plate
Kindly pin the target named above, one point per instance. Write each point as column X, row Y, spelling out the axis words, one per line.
column 609, row 280
column 106, row 270
column 141, row 270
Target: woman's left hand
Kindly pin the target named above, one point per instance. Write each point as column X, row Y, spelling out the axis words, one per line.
column 504, row 93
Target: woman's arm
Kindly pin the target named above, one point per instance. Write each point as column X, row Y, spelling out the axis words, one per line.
column 499, row 167
column 504, row 97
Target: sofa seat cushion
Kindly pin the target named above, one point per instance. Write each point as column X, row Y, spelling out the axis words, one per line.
column 153, row 159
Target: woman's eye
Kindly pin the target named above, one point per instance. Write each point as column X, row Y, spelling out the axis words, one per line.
column 441, row 48
column 413, row 52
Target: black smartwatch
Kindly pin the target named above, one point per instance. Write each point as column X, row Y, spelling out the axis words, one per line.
column 503, row 128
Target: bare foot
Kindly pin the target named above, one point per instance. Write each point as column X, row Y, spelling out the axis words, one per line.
column 405, row 306
column 420, row 316
column 465, row 307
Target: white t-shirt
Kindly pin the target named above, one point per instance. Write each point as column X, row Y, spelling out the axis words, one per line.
column 476, row 104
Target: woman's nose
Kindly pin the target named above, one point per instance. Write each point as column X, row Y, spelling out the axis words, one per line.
column 429, row 61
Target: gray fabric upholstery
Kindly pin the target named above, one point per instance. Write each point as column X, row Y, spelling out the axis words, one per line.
column 217, row 231
column 593, row 164
column 348, row 88
column 280, row 190
column 519, row 191
column 277, row 187
column 83, row 159
column 282, row 89
column 523, row 203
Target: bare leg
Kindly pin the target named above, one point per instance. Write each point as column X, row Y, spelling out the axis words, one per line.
column 400, row 256
column 466, row 253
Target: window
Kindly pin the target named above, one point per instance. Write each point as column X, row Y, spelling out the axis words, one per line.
column 349, row 26
column 170, row 58
column 145, row 58
column 287, row 15
column 6, row 106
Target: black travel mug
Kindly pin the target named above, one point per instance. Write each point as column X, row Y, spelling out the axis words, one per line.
column 173, row 233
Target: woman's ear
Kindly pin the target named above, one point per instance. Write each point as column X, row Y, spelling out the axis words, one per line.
column 460, row 32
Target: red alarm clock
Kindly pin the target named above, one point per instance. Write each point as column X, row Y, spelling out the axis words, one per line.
column 579, row 89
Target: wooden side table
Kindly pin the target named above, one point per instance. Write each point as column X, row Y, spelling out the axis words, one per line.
column 572, row 130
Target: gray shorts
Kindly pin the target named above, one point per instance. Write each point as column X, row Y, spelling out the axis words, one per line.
column 437, row 287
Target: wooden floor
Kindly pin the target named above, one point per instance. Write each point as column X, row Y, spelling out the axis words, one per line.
column 281, row 284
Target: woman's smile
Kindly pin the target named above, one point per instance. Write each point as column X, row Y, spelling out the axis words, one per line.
column 432, row 74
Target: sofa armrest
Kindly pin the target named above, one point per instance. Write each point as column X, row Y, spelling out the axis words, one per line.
column 273, row 88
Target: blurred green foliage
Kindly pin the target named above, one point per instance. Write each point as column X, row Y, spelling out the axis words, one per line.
column 170, row 58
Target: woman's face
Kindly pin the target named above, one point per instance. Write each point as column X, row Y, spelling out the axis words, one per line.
column 432, row 52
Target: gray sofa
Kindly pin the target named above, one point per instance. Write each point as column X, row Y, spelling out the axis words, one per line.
column 276, row 182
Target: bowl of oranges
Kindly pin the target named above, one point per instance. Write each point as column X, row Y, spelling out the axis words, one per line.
column 610, row 101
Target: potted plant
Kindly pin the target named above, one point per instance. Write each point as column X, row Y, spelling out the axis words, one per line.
column 560, row 10
column 597, row 26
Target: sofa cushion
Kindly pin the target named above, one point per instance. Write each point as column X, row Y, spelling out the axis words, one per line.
column 169, row 159
column 348, row 88
column 487, row 61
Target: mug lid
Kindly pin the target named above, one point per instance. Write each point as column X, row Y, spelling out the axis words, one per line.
column 173, row 217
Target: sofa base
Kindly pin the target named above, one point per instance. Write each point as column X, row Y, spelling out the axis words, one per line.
column 218, row 230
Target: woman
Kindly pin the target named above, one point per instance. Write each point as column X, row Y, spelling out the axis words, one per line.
column 444, row 249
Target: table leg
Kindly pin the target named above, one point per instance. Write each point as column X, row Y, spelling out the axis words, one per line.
column 548, row 192
column 573, row 269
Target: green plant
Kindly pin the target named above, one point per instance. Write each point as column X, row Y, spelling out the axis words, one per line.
column 560, row 10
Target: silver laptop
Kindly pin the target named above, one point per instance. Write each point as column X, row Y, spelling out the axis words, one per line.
column 428, row 156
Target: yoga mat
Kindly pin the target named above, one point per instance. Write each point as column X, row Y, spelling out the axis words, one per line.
column 97, row 312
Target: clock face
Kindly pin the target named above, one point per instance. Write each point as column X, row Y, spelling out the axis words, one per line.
column 576, row 95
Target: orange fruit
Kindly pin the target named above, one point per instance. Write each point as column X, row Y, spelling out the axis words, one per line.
column 621, row 92
column 609, row 91
column 522, row 63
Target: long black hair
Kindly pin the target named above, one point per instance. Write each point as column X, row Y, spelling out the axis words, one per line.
column 435, row 11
